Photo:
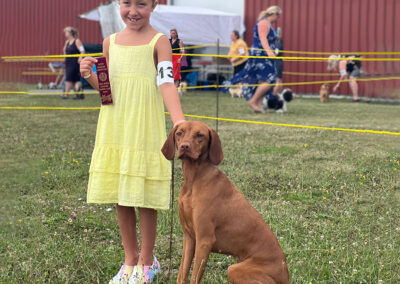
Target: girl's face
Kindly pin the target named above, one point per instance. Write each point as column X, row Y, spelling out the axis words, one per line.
column 173, row 34
column 136, row 13
column 233, row 37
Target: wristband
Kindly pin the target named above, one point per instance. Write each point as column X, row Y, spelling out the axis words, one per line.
column 87, row 76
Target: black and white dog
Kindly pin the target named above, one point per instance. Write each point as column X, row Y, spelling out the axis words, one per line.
column 278, row 102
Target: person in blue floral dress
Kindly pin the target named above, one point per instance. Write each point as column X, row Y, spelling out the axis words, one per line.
column 259, row 70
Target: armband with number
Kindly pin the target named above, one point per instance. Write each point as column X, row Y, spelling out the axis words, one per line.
column 165, row 73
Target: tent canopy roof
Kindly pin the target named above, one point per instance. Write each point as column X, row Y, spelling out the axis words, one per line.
column 194, row 25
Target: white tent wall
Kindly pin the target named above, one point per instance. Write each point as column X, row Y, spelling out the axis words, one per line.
column 110, row 19
column 196, row 26
column 230, row 6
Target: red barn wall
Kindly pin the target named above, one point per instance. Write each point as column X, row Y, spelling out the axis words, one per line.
column 35, row 27
column 335, row 26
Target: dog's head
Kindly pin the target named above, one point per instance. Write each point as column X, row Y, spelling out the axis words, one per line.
column 288, row 95
column 194, row 140
column 325, row 87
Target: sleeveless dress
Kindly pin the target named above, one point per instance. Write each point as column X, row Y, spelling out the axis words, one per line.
column 256, row 69
column 176, row 67
column 127, row 165
column 72, row 73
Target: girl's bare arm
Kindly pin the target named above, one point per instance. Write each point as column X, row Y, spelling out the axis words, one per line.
column 168, row 90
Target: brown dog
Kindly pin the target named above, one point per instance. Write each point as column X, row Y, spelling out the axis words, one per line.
column 324, row 93
column 216, row 217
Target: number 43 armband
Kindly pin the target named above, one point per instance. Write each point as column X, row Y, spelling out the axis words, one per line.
column 165, row 73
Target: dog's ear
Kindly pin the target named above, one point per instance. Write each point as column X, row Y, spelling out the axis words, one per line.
column 168, row 148
column 215, row 153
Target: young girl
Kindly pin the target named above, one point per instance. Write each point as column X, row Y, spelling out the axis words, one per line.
column 127, row 166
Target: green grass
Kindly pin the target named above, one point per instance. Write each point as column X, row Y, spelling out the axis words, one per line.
column 331, row 198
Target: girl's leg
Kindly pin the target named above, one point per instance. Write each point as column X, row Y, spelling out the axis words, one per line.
column 354, row 88
column 256, row 101
column 68, row 87
column 127, row 227
column 148, row 228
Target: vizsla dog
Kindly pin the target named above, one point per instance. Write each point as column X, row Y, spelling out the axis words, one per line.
column 216, row 217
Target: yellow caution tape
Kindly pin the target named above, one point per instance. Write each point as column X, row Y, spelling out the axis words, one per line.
column 223, row 119
column 288, row 58
column 41, row 73
column 229, row 86
column 297, row 83
column 48, row 93
column 47, row 57
column 310, row 74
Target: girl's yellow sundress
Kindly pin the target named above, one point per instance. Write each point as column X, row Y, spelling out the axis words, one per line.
column 127, row 165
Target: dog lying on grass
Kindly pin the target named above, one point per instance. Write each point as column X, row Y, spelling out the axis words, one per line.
column 216, row 217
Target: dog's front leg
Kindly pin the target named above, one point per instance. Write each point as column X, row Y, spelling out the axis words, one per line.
column 203, row 249
column 187, row 258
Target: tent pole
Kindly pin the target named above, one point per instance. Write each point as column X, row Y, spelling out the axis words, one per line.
column 217, row 115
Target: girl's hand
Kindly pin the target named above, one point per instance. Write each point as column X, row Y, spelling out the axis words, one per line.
column 86, row 65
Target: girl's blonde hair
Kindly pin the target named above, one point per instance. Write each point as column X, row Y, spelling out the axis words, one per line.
column 333, row 62
column 72, row 31
column 273, row 10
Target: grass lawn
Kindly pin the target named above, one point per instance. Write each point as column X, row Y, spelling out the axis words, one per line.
column 331, row 198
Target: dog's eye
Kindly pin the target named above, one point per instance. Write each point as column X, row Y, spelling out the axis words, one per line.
column 179, row 133
column 199, row 135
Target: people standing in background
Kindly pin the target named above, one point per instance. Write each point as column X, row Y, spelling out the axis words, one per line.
column 177, row 49
column 73, row 45
column 238, row 47
column 259, row 71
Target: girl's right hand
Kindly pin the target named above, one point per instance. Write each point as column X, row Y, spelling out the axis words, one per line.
column 87, row 65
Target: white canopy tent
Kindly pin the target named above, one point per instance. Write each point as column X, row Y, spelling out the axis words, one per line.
column 196, row 26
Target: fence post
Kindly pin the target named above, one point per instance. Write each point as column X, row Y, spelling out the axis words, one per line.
column 218, row 51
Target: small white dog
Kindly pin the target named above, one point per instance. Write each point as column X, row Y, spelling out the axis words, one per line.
column 279, row 102
column 236, row 91
column 182, row 88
